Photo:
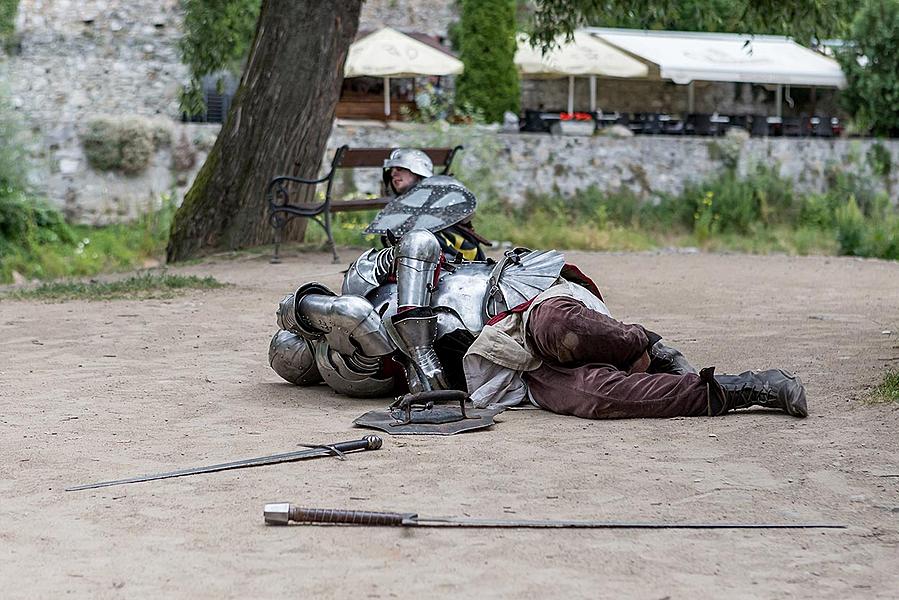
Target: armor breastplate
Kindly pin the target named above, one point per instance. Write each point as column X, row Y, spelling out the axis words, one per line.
column 458, row 300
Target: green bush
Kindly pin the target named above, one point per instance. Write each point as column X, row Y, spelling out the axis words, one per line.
column 735, row 204
column 8, row 9
column 871, row 65
column 490, row 82
column 125, row 145
column 40, row 245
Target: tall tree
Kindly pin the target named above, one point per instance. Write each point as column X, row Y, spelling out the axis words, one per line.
column 487, row 43
column 279, row 123
column 871, row 63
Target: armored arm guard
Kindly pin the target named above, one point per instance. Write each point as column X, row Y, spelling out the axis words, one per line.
column 368, row 271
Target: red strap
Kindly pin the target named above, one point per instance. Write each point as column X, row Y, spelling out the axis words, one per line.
column 518, row 309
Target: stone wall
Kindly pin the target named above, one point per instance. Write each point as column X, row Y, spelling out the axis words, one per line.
column 647, row 165
column 426, row 16
column 78, row 60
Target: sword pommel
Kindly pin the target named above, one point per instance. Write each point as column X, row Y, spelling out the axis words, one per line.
column 374, row 442
column 277, row 513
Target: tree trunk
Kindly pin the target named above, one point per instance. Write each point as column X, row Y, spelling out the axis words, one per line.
column 278, row 124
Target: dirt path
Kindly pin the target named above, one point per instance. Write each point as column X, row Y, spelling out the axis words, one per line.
column 92, row 391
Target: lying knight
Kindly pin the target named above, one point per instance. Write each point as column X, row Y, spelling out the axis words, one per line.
column 526, row 328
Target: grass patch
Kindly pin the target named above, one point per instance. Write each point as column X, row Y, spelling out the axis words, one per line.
column 141, row 286
column 40, row 251
column 347, row 229
column 888, row 390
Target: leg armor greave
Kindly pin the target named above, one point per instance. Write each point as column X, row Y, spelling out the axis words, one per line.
column 416, row 332
column 417, row 259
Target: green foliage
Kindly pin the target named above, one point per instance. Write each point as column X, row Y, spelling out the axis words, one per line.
column 8, row 9
column 888, row 390
column 217, row 37
column 28, row 223
column 757, row 213
column 490, row 82
column 125, row 145
column 871, row 65
column 42, row 246
column 143, row 285
column 12, row 150
column 732, row 204
column 432, row 104
column 802, row 19
column 880, row 160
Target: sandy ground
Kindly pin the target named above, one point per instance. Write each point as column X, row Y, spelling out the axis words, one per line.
column 95, row 391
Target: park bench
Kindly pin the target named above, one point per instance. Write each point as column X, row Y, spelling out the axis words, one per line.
column 278, row 191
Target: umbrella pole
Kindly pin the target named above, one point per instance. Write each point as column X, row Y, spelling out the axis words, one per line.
column 387, row 96
column 779, row 100
column 691, row 96
column 593, row 93
column 570, row 94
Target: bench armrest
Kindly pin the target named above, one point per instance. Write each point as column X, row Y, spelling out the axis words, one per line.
column 276, row 190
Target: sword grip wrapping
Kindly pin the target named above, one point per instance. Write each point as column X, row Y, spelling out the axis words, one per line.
column 348, row 517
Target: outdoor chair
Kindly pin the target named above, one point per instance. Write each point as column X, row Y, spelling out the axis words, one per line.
column 821, row 127
column 671, row 125
column 758, row 125
column 651, row 124
column 739, row 122
column 775, row 126
column 534, row 123
column 792, row 127
column 700, row 124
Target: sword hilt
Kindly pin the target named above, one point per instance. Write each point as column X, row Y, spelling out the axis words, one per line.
column 283, row 512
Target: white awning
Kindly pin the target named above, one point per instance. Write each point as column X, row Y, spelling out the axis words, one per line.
column 390, row 53
column 685, row 56
column 585, row 55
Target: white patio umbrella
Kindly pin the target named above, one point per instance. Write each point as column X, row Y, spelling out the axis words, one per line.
column 389, row 53
column 585, row 55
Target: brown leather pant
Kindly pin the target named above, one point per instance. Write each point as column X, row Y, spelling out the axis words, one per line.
column 593, row 368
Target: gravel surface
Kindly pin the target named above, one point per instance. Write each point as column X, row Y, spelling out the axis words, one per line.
column 96, row 391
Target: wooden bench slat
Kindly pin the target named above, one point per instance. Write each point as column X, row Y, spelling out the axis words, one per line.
column 375, row 157
column 364, row 204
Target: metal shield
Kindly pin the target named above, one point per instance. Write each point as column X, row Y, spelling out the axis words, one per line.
column 434, row 204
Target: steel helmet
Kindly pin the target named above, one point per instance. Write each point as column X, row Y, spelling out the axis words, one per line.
column 409, row 158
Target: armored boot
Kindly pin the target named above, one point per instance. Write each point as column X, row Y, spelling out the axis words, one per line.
column 665, row 359
column 771, row 389
column 416, row 332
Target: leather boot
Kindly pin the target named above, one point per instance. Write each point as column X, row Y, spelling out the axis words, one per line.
column 665, row 359
column 417, row 332
column 774, row 388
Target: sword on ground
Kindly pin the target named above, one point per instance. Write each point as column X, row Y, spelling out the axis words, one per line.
column 369, row 442
column 282, row 513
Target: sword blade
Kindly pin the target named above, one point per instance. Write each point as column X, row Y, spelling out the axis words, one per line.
column 370, row 442
column 565, row 524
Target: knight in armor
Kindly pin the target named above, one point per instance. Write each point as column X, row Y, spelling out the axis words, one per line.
column 406, row 168
column 526, row 328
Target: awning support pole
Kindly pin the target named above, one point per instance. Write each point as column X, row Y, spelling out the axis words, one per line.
column 387, row 96
column 778, row 99
column 691, row 96
column 593, row 93
column 570, row 94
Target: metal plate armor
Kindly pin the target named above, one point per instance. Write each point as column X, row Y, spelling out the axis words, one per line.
column 434, row 204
